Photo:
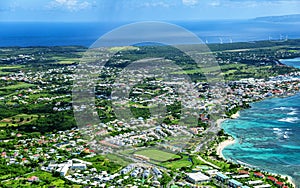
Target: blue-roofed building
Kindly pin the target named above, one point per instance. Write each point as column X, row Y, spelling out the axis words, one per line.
column 245, row 186
column 235, row 184
column 221, row 177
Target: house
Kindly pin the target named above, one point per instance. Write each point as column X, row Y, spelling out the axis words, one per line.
column 258, row 174
column 33, row 179
column 279, row 184
column 272, row 179
column 221, row 177
column 78, row 166
column 241, row 176
column 156, row 183
column 263, row 186
column 63, row 170
column 242, row 172
column 212, row 173
column 255, row 182
column 235, row 184
column 157, row 172
column 197, row 178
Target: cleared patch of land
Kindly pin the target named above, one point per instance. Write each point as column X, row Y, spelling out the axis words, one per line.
column 18, row 120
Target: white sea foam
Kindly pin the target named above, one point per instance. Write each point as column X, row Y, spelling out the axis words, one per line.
column 294, row 112
column 289, row 120
column 285, row 108
column 276, row 129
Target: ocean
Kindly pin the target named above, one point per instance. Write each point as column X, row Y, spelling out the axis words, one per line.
column 85, row 34
column 291, row 62
column 267, row 134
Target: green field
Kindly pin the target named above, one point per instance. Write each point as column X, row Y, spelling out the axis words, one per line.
column 184, row 162
column 46, row 180
column 10, row 67
column 20, row 85
column 3, row 68
column 157, row 155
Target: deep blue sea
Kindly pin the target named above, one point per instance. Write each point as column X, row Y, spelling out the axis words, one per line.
column 85, row 34
column 267, row 134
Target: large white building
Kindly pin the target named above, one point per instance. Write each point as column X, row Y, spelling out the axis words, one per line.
column 197, row 177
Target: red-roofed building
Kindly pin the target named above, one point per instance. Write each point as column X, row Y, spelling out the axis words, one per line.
column 279, row 184
column 86, row 150
column 272, row 179
column 258, row 174
column 33, row 178
column 3, row 154
column 243, row 172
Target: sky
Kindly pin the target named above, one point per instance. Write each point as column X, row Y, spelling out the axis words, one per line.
column 141, row 10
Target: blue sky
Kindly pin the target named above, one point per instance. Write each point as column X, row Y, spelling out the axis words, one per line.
column 141, row 10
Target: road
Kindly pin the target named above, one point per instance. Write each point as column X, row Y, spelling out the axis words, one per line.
column 213, row 129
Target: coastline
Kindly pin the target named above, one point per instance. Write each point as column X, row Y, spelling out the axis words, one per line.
column 290, row 180
column 227, row 142
column 230, row 141
column 236, row 115
column 223, row 145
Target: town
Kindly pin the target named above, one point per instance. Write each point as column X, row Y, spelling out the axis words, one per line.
column 136, row 142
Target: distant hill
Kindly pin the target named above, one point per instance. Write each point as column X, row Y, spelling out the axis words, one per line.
column 284, row 18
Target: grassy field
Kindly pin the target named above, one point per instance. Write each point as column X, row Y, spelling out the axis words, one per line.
column 16, row 120
column 4, row 73
column 157, row 155
column 10, row 67
column 64, row 60
column 118, row 159
column 184, row 162
column 20, row 85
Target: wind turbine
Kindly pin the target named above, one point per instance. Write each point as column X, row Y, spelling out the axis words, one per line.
column 221, row 40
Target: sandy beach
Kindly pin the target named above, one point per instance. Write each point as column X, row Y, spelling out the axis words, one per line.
column 228, row 142
column 222, row 145
column 219, row 122
column 235, row 116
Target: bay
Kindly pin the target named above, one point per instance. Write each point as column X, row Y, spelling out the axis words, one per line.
column 267, row 136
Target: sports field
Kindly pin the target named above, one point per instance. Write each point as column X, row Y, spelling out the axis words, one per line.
column 157, row 155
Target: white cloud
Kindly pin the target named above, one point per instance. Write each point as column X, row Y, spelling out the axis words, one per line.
column 260, row 3
column 214, row 3
column 190, row 2
column 71, row 5
column 156, row 4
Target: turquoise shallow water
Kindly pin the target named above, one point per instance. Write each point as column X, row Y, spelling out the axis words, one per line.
column 292, row 62
column 268, row 136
